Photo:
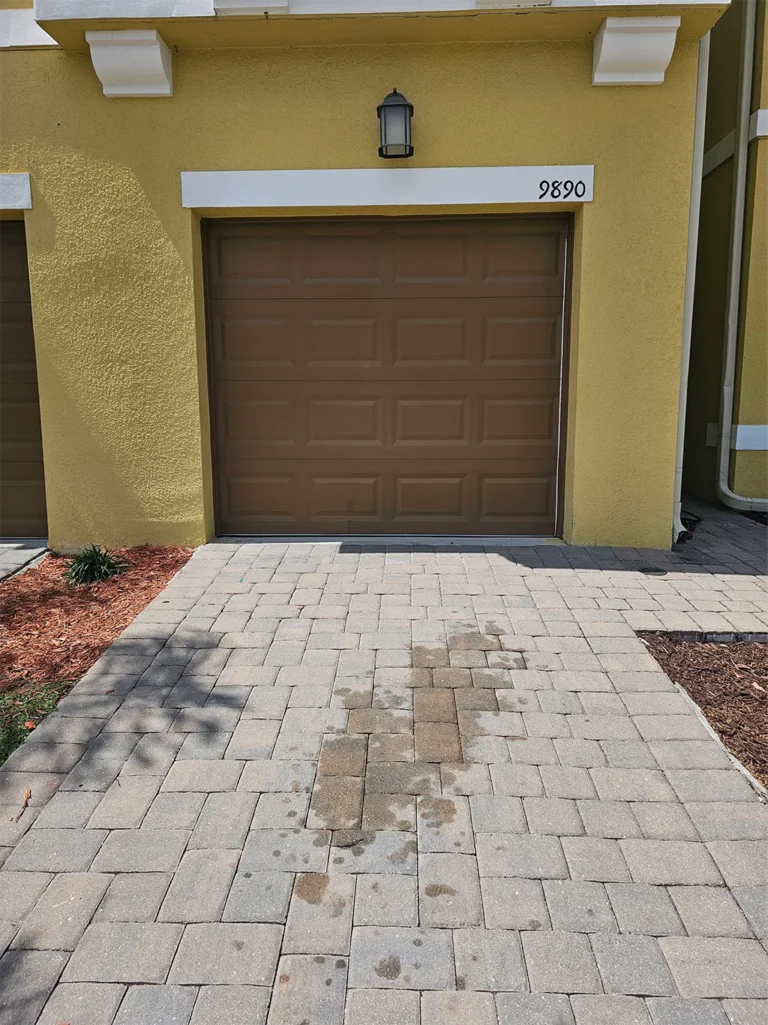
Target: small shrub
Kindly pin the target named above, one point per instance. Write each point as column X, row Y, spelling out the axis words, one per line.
column 92, row 564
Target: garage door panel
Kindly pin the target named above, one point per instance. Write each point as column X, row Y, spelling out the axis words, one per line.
column 396, row 339
column 387, row 376
column 439, row 258
column 389, row 419
column 419, row 496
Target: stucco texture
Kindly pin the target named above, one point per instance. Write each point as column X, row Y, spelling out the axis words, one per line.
column 115, row 260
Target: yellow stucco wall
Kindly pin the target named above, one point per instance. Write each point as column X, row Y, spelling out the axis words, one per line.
column 115, row 260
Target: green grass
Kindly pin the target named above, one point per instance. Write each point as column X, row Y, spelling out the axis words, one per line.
column 30, row 705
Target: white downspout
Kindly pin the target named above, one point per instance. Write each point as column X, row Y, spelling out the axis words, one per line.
column 741, row 153
column 679, row 532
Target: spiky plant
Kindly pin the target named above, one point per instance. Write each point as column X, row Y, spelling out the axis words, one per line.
column 93, row 564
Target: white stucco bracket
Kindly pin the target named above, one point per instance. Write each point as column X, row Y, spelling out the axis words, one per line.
column 15, row 192
column 131, row 62
column 634, row 51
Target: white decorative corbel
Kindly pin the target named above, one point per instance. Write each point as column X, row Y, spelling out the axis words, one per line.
column 131, row 62
column 633, row 51
column 250, row 7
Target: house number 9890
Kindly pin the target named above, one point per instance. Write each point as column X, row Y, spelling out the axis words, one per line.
column 561, row 190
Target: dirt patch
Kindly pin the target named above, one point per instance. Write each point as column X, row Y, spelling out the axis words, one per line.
column 51, row 632
column 729, row 682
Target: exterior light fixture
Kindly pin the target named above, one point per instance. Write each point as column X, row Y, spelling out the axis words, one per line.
column 395, row 113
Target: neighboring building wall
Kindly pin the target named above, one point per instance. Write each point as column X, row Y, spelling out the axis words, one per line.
column 115, row 261
column 749, row 469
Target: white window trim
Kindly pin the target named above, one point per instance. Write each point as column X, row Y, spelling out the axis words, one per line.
column 15, row 192
column 380, row 186
column 744, row 437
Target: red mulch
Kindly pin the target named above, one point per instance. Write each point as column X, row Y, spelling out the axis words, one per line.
column 729, row 683
column 51, row 630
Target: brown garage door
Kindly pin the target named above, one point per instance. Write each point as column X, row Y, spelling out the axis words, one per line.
column 22, row 487
column 387, row 376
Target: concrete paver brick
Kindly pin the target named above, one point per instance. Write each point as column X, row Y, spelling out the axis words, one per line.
column 742, row 862
column 489, row 960
column 320, row 914
column 62, row 913
column 685, row 1011
column 258, row 897
column 128, row 952
column 632, row 965
column 449, row 891
column 387, row 899
column 444, row 825
column 133, row 897
column 645, row 910
column 309, row 988
column 609, row 1010
column 576, row 906
column 382, row 1007
column 522, row 855
column 471, row 1008
column 285, row 850
column 226, row 953
column 708, row 967
column 141, row 850
column 667, row 862
column 26, row 979
column 56, row 850
column 709, row 911
column 533, row 1009
column 145, row 1005
column 231, row 1005
column 87, row 1002
column 390, row 958
column 200, row 886
column 560, row 962
column 513, row 903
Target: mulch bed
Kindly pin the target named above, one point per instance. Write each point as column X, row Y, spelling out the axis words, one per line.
column 729, row 683
column 52, row 631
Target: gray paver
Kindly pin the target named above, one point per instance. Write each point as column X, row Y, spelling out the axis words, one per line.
column 133, row 897
column 706, row 967
column 82, row 1003
column 223, row 822
column 26, row 979
column 609, row 1010
column 684, row 1011
column 386, row 900
column 579, row 906
column 200, row 886
column 632, row 965
column 489, row 959
column 56, row 850
column 514, row 903
column 533, row 1009
column 231, row 1005
column 132, row 952
column 285, row 850
column 61, row 915
column 560, row 962
column 382, row 1007
column 472, row 1008
column 309, row 987
column 320, row 914
column 141, row 850
column 171, row 1005
column 226, row 954
column 449, row 891
column 387, row 958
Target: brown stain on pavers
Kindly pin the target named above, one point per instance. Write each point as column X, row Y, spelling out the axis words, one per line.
column 388, row 967
column 402, row 853
column 311, row 887
column 439, row 890
column 437, row 811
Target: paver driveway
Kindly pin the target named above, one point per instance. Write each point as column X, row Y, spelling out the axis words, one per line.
column 319, row 783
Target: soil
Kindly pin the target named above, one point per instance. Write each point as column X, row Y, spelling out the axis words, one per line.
column 729, row 683
column 51, row 631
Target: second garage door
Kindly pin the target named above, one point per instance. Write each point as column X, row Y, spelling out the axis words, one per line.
column 387, row 376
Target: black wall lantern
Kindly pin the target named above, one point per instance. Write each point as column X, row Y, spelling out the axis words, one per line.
column 395, row 113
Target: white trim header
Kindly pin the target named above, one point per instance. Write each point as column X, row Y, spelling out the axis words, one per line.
column 15, row 192
column 634, row 51
column 131, row 62
column 388, row 186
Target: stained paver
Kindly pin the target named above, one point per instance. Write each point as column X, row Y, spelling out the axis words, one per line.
column 394, row 785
